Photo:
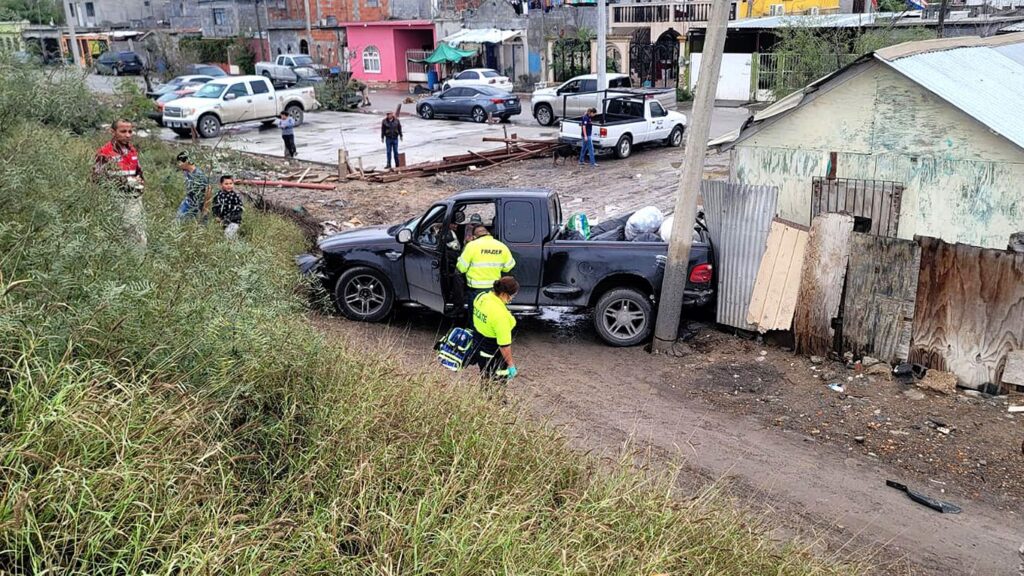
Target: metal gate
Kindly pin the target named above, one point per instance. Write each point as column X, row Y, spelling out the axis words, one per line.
column 570, row 57
column 656, row 64
column 877, row 200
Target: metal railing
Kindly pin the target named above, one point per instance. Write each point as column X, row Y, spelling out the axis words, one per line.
column 784, row 72
column 416, row 71
column 650, row 13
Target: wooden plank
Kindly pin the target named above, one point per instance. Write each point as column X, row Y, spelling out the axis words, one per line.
column 821, row 283
column 970, row 310
column 306, row 171
column 778, row 279
column 1013, row 372
column 878, row 309
column 343, row 168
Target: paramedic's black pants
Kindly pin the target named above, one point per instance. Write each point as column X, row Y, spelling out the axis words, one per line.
column 488, row 357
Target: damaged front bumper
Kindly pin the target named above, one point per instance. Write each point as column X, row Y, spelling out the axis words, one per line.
column 310, row 265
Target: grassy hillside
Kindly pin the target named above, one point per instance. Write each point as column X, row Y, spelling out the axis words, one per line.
column 174, row 414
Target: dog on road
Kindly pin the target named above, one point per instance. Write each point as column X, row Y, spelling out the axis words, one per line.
column 563, row 152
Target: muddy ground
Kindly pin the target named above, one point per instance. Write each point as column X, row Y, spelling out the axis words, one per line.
column 751, row 417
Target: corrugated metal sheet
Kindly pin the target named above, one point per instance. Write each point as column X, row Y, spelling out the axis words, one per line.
column 980, row 81
column 738, row 218
column 1014, row 52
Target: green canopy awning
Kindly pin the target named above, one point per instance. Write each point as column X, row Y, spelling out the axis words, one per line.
column 446, row 53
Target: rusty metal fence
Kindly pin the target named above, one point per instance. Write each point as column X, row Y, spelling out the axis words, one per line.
column 878, row 200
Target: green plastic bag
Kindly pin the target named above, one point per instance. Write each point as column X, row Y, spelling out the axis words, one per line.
column 578, row 222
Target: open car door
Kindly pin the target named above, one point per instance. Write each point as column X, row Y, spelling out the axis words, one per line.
column 424, row 260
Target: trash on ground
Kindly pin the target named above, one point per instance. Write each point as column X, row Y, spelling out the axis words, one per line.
column 937, row 505
column 837, row 387
column 939, row 381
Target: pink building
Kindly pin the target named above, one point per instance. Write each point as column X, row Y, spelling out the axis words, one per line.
column 378, row 49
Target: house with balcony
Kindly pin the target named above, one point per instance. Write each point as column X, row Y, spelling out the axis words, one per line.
column 759, row 8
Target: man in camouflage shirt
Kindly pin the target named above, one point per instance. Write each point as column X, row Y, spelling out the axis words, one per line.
column 196, row 185
column 227, row 207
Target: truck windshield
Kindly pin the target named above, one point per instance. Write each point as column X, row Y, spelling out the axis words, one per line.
column 210, row 91
column 303, row 61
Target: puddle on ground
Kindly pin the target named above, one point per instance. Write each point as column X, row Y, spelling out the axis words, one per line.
column 560, row 323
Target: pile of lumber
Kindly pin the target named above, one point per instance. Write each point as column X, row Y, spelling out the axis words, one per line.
column 515, row 149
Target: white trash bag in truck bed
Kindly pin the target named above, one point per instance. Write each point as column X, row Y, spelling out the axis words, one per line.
column 665, row 231
column 644, row 220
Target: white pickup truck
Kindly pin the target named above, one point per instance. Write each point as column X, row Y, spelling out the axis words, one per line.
column 236, row 99
column 290, row 68
column 626, row 122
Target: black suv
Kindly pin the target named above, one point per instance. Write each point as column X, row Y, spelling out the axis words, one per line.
column 119, row 63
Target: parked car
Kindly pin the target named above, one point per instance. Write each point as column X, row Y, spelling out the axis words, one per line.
column 176, row 83
column 118, row 63
column 477, row 103
column 572, row 98
column 208, row 70
column 290, row 68
column 370, row 271
column 165, row 99
column 626, row 122
column 236, row 99
column 479, row 77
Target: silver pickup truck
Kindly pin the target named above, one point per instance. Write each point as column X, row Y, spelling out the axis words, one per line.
column 291, row 68
column 627, row 121
column 572, row 98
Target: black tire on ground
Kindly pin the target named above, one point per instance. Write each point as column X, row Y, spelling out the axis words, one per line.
column 544, row 114
column 267, row 123
column 427, row 112
column 624, row 317
column 363, row 294
column 296, row 113
column 208, row 126
column 624, row 147
column 675, row 138
column 478, row 114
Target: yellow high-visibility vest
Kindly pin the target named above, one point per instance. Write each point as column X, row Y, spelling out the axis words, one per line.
column 483, row 261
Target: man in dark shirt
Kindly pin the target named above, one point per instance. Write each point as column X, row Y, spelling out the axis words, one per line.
column 227, row 207
column 390, row 134
column 587, row 146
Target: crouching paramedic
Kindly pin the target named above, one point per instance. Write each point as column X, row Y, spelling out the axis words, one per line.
column 493, row 324
column 483, row 260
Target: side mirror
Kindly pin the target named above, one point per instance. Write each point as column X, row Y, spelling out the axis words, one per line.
column 404, row 236
column 230, row 96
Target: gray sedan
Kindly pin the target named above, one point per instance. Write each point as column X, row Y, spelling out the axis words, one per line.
column 477, row 103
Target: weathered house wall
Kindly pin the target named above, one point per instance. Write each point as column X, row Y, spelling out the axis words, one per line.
column 962, row 182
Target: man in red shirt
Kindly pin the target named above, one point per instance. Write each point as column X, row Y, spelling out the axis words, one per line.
column 117, row 163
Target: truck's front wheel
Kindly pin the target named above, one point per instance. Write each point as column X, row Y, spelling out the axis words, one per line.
column 545, row 115
column 675, row 138
column 363, row 294
column 209, row 126
column 624, row 317
column 296, row 113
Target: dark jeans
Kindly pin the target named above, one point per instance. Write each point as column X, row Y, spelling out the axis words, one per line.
column 489, row 358
column 587, row 147
column 392, row 150
column 289, row 145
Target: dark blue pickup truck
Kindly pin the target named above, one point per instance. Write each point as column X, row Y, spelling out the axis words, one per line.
column 369, row 271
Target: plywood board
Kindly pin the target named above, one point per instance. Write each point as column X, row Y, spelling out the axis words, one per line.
column 970, row 310
column 821, row 283
column 881, row 288
column 778, row 279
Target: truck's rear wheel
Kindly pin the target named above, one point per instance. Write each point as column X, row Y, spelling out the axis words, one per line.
column 265, row 74
column 209, row 126
column 624, row 147
column 545, row 115
column 624, row 317
column 296, row 113
column 675, row 138
column 363, row 294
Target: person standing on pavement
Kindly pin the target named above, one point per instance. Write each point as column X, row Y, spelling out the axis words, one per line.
column 196, row 186
column 227, row 207
column 287, row 125
column 483, row 261
column 493, row 324
column 587, row 129
column 117, row 161
column 390, row 134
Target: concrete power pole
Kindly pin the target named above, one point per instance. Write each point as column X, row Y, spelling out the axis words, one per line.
column 71, row 34
column 309, row 27
column 602, row 48
column 676, row 268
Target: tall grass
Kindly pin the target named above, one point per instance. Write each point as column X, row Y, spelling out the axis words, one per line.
column 174, row 414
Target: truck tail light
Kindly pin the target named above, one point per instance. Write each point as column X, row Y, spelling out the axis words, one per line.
column 603, row 132
column 701, row 274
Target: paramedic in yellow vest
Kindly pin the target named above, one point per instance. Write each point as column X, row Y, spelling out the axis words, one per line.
column 493, row 324
column 483, row 261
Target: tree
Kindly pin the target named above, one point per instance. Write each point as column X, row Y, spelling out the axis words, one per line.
column 35, row 11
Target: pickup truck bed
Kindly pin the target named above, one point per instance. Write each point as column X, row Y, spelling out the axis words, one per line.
column 626, row 122
column 371, row 270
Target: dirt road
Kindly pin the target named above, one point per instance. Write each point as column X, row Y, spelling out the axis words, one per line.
column 685, row 410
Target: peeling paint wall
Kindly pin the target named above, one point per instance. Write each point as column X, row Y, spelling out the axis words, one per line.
column 963, row 183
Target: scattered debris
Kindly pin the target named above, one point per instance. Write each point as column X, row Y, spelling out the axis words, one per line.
column 817, row 360
column 939, row 381
column 1015, row 409
column 836, row 387
column 937, row 505
column 914, row 394
column 858, row 439
column 1013, row 372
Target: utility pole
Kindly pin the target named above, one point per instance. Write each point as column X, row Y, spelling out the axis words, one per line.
column 309, row 26
column 602, row 48
column 71, row 33
column 677, row 266
column 942, row 17
column 259, row 30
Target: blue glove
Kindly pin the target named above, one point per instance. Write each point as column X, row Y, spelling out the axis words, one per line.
column 511, row 372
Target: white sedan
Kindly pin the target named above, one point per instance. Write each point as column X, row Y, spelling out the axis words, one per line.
column 479, row 77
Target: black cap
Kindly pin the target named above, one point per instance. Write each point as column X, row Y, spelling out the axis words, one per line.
column 183, row 157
